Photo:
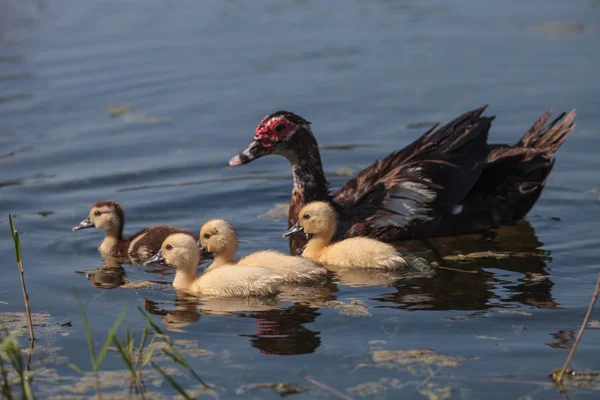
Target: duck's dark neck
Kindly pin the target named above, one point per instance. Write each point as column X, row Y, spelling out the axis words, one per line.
column 307, row 169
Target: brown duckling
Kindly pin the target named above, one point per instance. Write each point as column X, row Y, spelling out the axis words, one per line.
column 318, row 220
column 218, row 237
column 109, row 216
column 180, row 251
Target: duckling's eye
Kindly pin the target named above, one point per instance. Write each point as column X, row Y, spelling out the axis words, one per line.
column 306, row 216
column 279, row 128
column 97, row 213
column 206, row 235
column 168, row 247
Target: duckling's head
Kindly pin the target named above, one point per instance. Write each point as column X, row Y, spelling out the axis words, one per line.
column 218, row 236
column 105, row 214
column 315, row 219
column 179, row 251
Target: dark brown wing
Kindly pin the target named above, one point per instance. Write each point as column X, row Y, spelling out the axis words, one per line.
column 409, row 189
column 150, row 239
column 515, row 174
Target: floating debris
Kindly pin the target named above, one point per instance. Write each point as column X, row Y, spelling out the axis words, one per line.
column 185, row 347
column 594, row 324
column 579, row 379
column 356, row 308
column 484, row 337
column 18, row 326
column 515, row 312
column 417, row 356
column 434, row 391
column 345, row 171
column 128, row 114
column 139, row 285
column 556, row 29
column 278, row 213
column 496, row 255
column 282, row 388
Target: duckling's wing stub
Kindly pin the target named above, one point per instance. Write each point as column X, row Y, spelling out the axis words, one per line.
column 414, row 188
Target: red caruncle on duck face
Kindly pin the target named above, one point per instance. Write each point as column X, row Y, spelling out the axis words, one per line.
column 271, row 131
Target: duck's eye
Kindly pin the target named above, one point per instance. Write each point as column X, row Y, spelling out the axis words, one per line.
column 206, row 235
column 168, row 247
column 306, row 216
column 97, row 213
column 279, row 128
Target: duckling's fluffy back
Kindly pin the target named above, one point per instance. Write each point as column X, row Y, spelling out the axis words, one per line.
column 363, row 252
column 237, row 280
column 294, row 270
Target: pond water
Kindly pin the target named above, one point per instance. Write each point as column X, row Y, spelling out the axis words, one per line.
column 145, row 101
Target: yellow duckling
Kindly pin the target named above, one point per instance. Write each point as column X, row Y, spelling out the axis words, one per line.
column 319, row 222
column 180, row 251
column 219, row 237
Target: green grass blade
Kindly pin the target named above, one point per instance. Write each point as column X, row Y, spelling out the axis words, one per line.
column 76, row 369
column 124, row 356
column 149, row 352
column 27, row 388
column 130, row 345
column 154, row 326
column 140, row 350
column 171, row 381
column 177, row 358
column 15, row 237
column 109, row 339
column 88, row 331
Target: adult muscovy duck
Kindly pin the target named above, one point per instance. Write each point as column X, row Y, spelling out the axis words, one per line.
column 447, row 182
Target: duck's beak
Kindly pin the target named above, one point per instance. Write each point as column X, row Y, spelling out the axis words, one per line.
column 156, row 259
column 294, row 228
column 86, row 223
column 201, row 248
column 253, row 151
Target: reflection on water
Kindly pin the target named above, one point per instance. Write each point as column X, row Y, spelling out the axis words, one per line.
column 282, row 332
column 281, row 326
column 509, row 249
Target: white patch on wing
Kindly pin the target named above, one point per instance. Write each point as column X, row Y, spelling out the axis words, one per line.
column 457, row 209
column 413, row 201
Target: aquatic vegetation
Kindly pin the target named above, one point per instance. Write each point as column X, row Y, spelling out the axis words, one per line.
column 10, row 351
column 356, row 308
column 128, row 114
column 17, row 242
column 557, row 377
column 418, row 357
column 281, row 388
column 278, row 213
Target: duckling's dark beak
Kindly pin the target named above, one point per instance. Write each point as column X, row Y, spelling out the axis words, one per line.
column 204, row 254
column 156, row 259
column 253, row 151
column 295, row 228
column 86, row 223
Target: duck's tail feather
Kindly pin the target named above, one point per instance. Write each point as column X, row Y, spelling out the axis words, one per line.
column 549, row 138
column 515, row 175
